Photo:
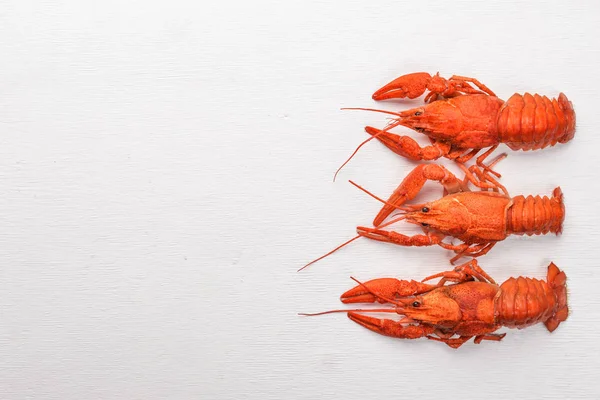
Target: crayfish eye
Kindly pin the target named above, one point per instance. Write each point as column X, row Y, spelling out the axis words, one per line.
column 418, row 113
column 425, row 209
column 416, row 304
column 424, row 224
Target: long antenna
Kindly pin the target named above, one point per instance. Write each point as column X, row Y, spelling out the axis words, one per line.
column 389, row 126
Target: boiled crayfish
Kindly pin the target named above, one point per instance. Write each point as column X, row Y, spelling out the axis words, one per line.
column 465, row 120
column 472, row 306
column 480, row 219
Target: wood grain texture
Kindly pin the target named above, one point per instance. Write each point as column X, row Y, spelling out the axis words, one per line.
column 165, row 167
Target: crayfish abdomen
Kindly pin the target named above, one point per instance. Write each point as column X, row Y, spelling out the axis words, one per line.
column 528, row 122
column 536, row 215
column 525, row 301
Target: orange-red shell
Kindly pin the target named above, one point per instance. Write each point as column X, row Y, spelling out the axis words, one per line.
column 536, row 215
column 524, row 301
column 531, row 122
column 476, row 217
column 467, row 308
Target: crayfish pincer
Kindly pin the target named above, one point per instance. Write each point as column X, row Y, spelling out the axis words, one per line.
column 471, row 305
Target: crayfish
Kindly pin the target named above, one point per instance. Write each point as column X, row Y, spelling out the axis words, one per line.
column 473, row 305
column 461, row 120
column 479, row 219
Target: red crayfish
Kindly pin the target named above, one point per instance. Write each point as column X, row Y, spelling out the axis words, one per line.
column 479, row 219
column 465, row 120
column 472, row 306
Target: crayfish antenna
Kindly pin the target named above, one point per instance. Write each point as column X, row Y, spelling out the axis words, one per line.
column 331, row 252
column 388, row 127
column 372, row 310
column 353, row 154
column 379, row 198
column 369, row 193
column 390, row 222
column 374, row 110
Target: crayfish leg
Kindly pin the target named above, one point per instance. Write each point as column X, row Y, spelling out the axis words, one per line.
column 455, row 343
column 462, row 273
column 467, row 156
column 490, row 336
column 489, row 168
column 467, row 88
column 480, row 179
column 465, row 250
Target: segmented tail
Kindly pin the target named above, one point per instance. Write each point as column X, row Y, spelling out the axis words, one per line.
column 536, row 215
column 531, row 122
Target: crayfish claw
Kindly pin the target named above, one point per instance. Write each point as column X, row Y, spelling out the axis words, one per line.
column 409, row 85
column 384, row 289
column 368, row 291
column 372, row 323
column 359, row 295
column 390, row 327
column 373, row 233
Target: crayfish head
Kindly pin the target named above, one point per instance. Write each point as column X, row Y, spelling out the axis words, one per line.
column 445, row 215
column 435, row 308
column 439, row 120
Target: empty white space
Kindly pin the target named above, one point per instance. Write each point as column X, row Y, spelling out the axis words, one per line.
column 166, row 167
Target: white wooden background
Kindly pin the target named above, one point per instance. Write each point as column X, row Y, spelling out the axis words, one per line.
column 165, row 167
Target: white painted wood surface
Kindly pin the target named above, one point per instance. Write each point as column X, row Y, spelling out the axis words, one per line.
column 165, row 167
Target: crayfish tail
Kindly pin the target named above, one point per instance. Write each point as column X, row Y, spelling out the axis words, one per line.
column 528, row 301
column 557, row 281
column 532, row 122
column 536, row 215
